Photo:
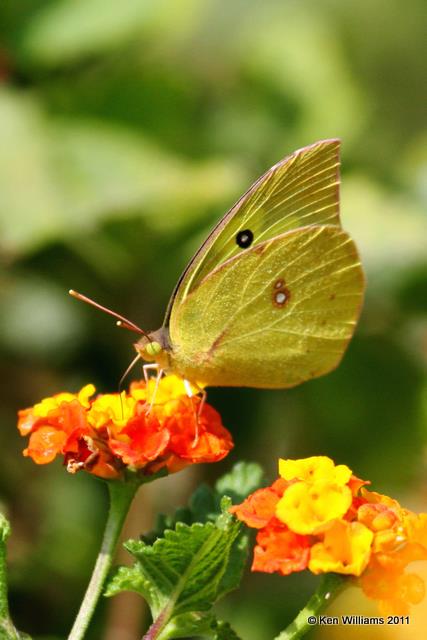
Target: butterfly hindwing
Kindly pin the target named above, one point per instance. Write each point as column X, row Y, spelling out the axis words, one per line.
column 279, row 313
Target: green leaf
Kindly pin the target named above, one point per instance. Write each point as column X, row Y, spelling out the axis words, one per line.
column 205, row 503
column 190, row 624
column 204, row 506
column 184, row 573
column 192, row 559
column 187, row 625
column 243, row 479
column 185, row 567
column 235, row 567
column 128, row 579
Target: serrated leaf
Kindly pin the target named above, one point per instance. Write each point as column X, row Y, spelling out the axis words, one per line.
column 188, row 625
column 243, row 479
column 163, row 522
column 127, row 579
column 204, row 504
column 205, row 624
column 235, row 566
column 182, row 574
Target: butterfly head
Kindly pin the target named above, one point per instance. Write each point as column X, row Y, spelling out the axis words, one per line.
column 149, row 351
column 153, row 348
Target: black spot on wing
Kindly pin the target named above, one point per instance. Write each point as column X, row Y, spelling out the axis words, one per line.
column 244, row 238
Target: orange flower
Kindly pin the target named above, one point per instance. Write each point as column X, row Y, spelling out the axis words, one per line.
column 259, row 509
column 141, row 440
column 320, row 516
column 47, row 409
column 141, row 430
column 378, row 517
column 195, row 439
column 280, row 550
column 394, row 589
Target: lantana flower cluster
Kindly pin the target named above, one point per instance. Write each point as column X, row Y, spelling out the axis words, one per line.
column 150, row 428
column 319, row 516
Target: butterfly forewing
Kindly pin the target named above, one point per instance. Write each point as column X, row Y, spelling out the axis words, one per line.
column 301, row 190
column 278, row 314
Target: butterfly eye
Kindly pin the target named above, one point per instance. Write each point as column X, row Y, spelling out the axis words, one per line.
column 153, row 349
column 244, row 238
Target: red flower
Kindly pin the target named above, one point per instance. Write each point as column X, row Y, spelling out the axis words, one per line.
column 142, row 430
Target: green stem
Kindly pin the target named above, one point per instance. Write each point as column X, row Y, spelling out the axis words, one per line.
column 7, row 629
column 330, row 586
column 121, row 496
column 4, row 534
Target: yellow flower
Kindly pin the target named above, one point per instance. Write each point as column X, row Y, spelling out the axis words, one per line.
column 48, row 404
column 323, row 508
column 310, row 508
column 314, row 469
column 171, row 387
column 29, row 417
column 111, row 408
column 346, row 549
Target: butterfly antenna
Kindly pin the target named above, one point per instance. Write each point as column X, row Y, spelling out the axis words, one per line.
column 121, row 320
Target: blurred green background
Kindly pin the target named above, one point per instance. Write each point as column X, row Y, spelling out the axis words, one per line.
column 126, row 129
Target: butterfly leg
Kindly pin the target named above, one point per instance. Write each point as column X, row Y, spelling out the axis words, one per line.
column 189, row 386
column 159, row 372
column 152, row 366
column 203, row 396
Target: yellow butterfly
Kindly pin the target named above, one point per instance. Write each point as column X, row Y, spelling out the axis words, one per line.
column 273, row 295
